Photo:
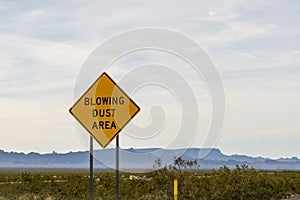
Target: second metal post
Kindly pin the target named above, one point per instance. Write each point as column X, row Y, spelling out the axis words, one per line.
column 117, row 167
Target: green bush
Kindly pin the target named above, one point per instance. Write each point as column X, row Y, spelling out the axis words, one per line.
column 239, row 183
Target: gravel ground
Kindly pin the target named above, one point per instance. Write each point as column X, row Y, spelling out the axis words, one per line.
column 294, row 197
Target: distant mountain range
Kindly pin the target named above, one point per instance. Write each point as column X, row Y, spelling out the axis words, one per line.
column 143, row 159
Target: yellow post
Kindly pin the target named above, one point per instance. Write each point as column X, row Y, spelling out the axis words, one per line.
column 175, row 189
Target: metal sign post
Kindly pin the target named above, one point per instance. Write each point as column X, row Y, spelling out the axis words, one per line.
column 91, row 168
column 117, row 167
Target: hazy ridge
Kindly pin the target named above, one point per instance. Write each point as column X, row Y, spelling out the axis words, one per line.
column 207, row 158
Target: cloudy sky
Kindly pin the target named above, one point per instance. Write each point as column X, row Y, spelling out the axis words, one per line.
column 255, row 45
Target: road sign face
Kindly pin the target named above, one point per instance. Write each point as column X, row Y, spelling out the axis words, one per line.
column 104, row 109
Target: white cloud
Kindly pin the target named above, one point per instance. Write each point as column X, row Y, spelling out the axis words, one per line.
column 254, row 44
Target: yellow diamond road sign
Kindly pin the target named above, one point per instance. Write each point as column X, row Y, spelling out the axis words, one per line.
column 104, row 109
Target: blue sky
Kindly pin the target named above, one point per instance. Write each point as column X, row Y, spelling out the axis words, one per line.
column 254, row 45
